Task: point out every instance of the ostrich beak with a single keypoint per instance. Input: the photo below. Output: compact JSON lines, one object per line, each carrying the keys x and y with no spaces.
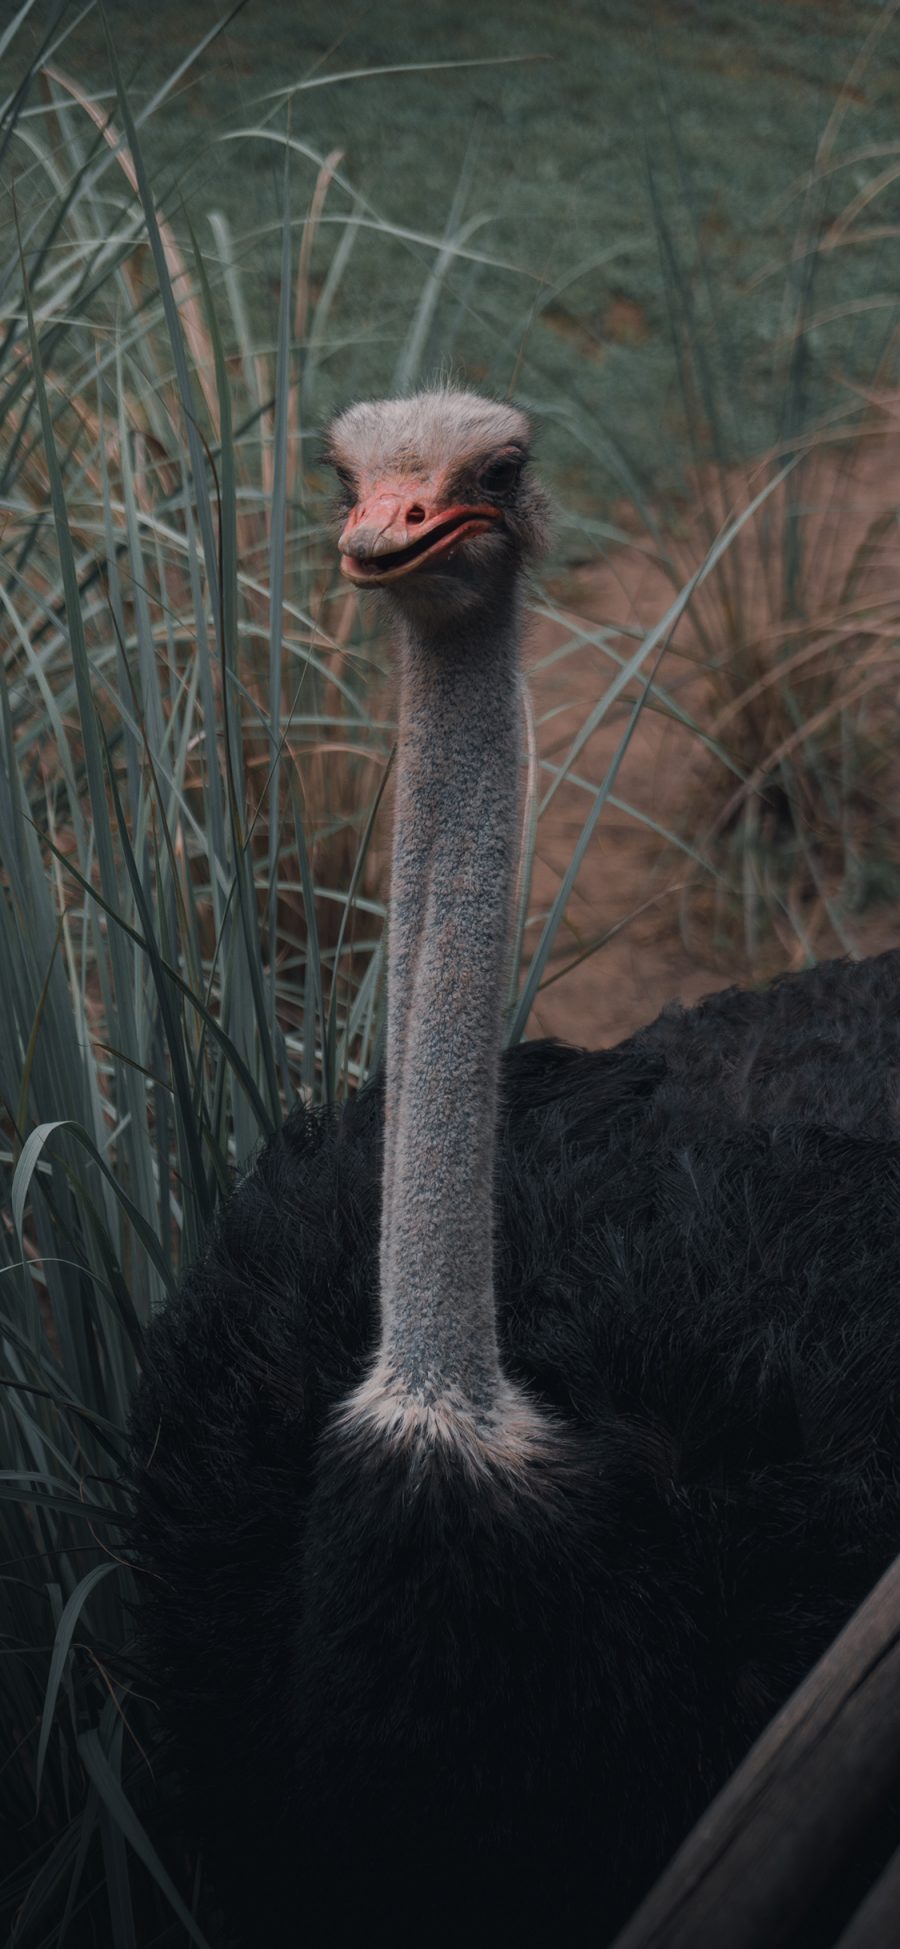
{"x":399,"y":526}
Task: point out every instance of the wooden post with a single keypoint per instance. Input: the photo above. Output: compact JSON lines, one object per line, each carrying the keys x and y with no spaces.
{"x":790,"y":1817}
{"x":877,"y":1920}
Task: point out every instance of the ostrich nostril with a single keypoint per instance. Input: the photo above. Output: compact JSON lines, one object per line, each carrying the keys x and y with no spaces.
{"x":414,"y":515}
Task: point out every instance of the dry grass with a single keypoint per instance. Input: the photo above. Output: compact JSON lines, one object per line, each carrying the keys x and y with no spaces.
{"x":794,"y":796}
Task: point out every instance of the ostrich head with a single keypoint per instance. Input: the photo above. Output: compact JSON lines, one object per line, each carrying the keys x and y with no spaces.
{"x":439,"y":506}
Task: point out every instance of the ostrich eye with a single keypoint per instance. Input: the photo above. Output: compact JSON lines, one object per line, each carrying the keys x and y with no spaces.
{"x":502,"y":473}
{"x":347,"y":481}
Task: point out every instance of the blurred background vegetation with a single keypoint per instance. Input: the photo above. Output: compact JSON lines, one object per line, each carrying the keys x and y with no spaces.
{"x":670,"y":232}
{"x":558,"y":167}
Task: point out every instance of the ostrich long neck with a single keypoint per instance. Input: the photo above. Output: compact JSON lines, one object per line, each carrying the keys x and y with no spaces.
{"x":453,"y":861}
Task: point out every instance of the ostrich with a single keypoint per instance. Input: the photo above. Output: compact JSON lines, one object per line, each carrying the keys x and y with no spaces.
{"x":531,"y":1422}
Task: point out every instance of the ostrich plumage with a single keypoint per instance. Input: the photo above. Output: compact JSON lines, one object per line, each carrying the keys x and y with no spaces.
{"x":531,"y":1423}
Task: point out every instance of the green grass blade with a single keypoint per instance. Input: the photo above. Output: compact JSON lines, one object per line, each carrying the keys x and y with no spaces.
{"x":61,"y":1648}
{"x":127,"y":1824}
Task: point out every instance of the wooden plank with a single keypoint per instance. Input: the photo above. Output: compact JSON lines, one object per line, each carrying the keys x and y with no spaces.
{"x":777,"y":1835}
{"x":876,"y":1924}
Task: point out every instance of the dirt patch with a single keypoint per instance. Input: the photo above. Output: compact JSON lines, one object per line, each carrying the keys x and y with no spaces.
{"x":626,"y":321}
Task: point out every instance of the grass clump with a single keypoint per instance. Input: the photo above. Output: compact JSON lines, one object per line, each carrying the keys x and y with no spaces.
{"x":801,"y":674}
{"x":796,"y":634}
{"x":187,"y":766}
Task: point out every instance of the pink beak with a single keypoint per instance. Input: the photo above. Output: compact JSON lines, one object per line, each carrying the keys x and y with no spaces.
{"x":399,"y":525}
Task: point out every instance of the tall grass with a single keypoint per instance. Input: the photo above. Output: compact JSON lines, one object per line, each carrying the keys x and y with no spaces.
{"x":195,"y":747}
{"x":190,"y":942}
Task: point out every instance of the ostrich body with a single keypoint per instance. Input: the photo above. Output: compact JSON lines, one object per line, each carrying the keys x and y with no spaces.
{"x":531,"y":1423}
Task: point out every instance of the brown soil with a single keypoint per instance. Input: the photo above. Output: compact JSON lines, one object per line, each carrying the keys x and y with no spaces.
{"x":630,"y":879}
